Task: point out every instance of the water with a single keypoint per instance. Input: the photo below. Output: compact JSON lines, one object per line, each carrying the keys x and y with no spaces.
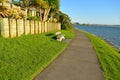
{"x":111,"y":34}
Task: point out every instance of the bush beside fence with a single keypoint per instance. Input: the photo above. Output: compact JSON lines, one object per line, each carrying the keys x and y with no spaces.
{"x":16,"y":27}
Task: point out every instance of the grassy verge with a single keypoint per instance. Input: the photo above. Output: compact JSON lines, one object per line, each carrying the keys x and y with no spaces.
{"x":109,"y":57}
{"x":23,"y":57}
{"x":69,"y":33}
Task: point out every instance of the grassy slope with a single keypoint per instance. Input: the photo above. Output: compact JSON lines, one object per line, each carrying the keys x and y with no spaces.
{"x":108,"y":56}
{"x":23,"y":57}
{"x":69,"y":33}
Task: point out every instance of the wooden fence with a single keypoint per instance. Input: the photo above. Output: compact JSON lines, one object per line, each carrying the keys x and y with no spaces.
{"x":14,"y":28}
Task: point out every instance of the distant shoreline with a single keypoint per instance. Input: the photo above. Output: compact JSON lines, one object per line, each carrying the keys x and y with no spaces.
{"x":77,"y":24}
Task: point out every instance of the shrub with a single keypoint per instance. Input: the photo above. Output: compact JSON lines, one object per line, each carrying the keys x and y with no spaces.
{"x":65,"y":21}
{"x":33,"y":18}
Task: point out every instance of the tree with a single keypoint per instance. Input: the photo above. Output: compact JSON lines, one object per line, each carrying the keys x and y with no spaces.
{"x":40,"y":5}
{"x":65,"y":21}
{"x":52,"y":8}
{"x":25,"y":4}
{"x":2,"y":1}
{"x":17,"y":3}
{"x":45,"y":6}
{"x":3,"y":10}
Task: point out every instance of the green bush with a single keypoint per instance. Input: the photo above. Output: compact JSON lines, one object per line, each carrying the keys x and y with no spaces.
{"x":33,"y":18}
{"x":65,"y":21}
{"x":66,"y":25}
{"x":29,"y":17}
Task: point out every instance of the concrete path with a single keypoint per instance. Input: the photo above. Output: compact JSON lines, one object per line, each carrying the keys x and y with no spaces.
{"x":77,"y":62}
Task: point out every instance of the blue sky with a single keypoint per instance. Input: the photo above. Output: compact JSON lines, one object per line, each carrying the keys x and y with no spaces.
{"x":92,"y":11}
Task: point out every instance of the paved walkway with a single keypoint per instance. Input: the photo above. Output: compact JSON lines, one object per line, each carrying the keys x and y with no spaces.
{"x":77,"y":62}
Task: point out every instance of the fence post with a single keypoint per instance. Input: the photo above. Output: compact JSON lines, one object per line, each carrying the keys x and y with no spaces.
{"x":4,"y":27}
{"x":37,"y":28}
{"x":59,"y":26}
{"x":34,"y":26}
{"x":54,"y":24}
{"x":17,"y":25}
{"x":24,"y":25}
{"x":27,"y":27}
{"x":48,"y":27}
{"x":21,"y":27}
{"x":10,"y":27}
{"x":40,"y":27}
{"x":13,"y":28}
{"x":30,"y":26}
{"x":1,"y":27}
{"x":45,"y":26}
{"x":31,"y":23}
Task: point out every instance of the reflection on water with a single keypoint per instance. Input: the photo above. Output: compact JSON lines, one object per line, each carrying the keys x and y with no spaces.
{"x":109,"y":33}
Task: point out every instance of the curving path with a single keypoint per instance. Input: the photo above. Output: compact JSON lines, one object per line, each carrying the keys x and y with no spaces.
{"x":77,"y":62}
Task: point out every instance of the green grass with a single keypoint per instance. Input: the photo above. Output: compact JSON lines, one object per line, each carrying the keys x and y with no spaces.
{"x":69,"y":33}
{"x":22,"y":58}
{"x":108,"y":56}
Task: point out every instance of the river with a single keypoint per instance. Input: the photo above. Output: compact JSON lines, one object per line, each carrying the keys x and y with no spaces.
{"x":109,"y":33}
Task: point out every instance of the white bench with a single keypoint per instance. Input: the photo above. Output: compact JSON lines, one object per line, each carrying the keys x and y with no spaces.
{"x":57,"y":33}
{"x":60,"y":36}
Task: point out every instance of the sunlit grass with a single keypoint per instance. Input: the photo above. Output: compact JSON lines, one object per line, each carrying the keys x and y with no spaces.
{"x":69,"y":33}
{"x":108,"y":56}
{"x":22,"y":58}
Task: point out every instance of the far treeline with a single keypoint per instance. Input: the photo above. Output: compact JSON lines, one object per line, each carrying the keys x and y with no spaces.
{"x":46,"y":11}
